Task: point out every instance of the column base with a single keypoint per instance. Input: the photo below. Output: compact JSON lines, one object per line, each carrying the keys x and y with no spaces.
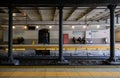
{"x":111,"y":62}
{"x":10,"y":62}
{"x":63,"y":62}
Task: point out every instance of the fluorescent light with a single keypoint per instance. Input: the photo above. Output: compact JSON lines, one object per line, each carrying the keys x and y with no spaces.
{"x":25,"y":27}
{"x":84,"y":27}
{"x":50,"y":27}
{"x":73,"y":27}
{"x":14,"y":14}
{"x":37,"y":27}
{"x":13,"y":27}
{"x":98,"y":26}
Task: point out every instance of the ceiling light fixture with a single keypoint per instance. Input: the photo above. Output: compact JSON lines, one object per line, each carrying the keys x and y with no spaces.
{"x":37,"y":27}
{"x":98,"y":26}
{"x":14,"y":14}
{"x":50,"y":27}
{"x":73,"y":27}
{"x":13,"y":27}
{"x":25,"y":27}
{"x":84,"y":27}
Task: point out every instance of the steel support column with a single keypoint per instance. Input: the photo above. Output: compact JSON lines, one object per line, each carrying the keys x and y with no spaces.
{"x":112,"y":58}
{"x":10,"y":35}
{"x":112,"y":32}
{"x":61,"y":57}
{"x":11,"y":60}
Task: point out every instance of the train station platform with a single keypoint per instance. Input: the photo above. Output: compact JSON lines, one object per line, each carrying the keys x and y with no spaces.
{"x":59,"y":71}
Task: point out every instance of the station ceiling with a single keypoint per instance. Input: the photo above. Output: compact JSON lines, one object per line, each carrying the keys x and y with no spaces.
{"x":45,"y":12}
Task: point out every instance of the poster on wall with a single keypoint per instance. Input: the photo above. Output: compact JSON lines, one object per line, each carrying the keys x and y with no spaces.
{"x":78,"y":33}
{"x":96,"y":34}
{"x":88,"y":34}
{"x":99,"y":33}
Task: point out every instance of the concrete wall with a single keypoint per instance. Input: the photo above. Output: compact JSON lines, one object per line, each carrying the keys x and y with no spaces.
{"x":30,"y":35}
{"x":54,"y":35}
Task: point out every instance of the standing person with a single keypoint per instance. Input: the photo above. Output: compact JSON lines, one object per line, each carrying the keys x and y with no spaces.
{"x":46,"y":38}
{"x":22,"y":40}
{"x":105,"y":40}
{"x":74,"y":40}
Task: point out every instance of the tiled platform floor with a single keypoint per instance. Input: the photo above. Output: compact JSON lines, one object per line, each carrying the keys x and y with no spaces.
{"x":59,"y":71}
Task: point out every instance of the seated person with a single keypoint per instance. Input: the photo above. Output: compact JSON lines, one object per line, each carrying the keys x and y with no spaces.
{"x":20,"y":40}
{"x":83,"y":40}
{"x":79,"y":39}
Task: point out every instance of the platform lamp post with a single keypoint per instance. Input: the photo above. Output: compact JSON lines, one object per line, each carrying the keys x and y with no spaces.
{"x":112,"y":58}
{"x":11,"y":60}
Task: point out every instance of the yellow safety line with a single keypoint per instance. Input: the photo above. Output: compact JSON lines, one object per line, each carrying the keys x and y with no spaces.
{"x":100,"y":74}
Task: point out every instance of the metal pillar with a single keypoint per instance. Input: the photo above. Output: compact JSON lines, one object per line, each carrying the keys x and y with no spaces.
{"x":112,"y":58}
{"x":61,"y":33}
{"x":61,"y":57}
{"x":112,"y":32}
{"x":10,"y":36}
{"x":10,"y":30}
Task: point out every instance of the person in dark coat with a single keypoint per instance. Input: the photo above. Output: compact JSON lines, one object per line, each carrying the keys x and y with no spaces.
{"x":79,"y":39}
{"x":74,"y":40}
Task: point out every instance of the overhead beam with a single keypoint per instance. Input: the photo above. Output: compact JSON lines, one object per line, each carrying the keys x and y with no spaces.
{"x":57,"y":2}
{"x":72,"y":11}
{"x":32,"y":22}
{"x":47,"y":14}
{"x":106,"y":16}
{"x":103,"y":17}
{"x":55,"y":14}
{"x":31,"y":14}
{"x":24,"y":13}
{"x":86,"y":12}
{"x":40,"y":13}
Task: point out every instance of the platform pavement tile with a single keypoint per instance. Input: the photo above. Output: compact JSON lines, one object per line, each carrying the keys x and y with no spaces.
{"x":74,"y":77}
{"x":50,"y":73}
{"x":40,"y":70}
{"x":84,"y":74}
{"x":94,"y":74}
{"x":60,"y":70}
{"x":28,"y":74}
{"x":107,"y":74}
{"x":38,"y":77}
{"x":50,"y":69}
{"x":50,"y":77}
{"x":6,"y":73}
{"x":116,"y":73}
{"x":72,"y":73}
{"x":64,"y":77}
{"x":61,"y":74}
{"x":4,"y":77}
{"x":20,"y":77}
{"x":69,"y":70}
{"x":109,"y":77}
{"x":25,"y":70}
{"x":83,"y":77}
{"x":6,"y":69}
{"x":86,"y":70}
